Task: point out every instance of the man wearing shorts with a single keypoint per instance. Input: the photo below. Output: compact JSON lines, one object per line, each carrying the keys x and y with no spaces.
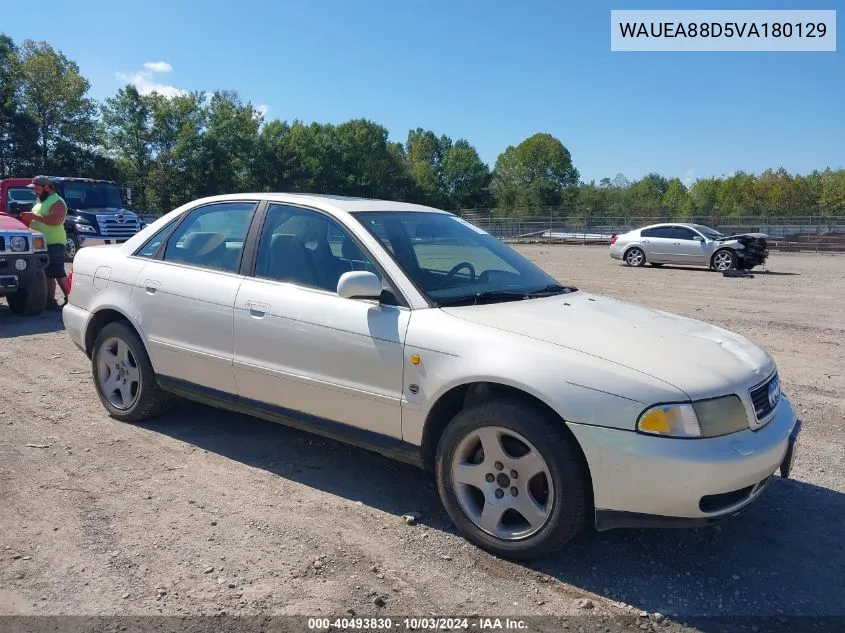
{"x":48,"y":217}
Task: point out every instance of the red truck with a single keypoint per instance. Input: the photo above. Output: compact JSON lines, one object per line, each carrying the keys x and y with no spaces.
{"x":23,"y":258}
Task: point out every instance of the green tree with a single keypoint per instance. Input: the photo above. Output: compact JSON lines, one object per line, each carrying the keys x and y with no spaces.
{"x":466,"y":178}
{"x":54,"y":96}
{"x":128,"y":123}
{"x":18,"y":134}
{"x":832,"y":200}
{"x":425,"y":155}
{"x":677,"y":200}
{"x":535,"y":174}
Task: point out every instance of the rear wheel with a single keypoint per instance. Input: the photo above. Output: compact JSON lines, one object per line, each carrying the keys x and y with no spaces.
{"x":635,"y":256}
{"x":123,"y":376}
{"x":724,"y":260}
{"x":30,"y":300}
{"x":511,"y":480}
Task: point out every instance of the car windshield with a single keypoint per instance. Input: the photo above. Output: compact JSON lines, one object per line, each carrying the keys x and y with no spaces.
{"x":90,"y":195}
{"x":708,"y":232}
{"x":22,"y":195}
{"x":453,"y":262}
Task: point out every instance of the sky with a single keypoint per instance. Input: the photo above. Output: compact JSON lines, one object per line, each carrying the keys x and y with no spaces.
{"x":490,"y":71}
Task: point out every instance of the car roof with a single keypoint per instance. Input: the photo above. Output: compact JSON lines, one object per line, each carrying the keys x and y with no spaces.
{"x":690,"y":225}
{"x":349,"y":204}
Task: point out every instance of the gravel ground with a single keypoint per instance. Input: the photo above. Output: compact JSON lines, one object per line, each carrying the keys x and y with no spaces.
{"x":204,"y":512}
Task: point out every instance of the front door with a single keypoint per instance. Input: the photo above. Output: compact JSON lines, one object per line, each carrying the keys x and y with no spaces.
{"x":301,"y":347}
{"x":685,"y":248}
{"x":184,"y":297}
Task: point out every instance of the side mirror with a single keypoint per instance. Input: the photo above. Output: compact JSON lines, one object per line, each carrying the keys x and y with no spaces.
{"x":359,"y":284}
{"x":698,"y":238}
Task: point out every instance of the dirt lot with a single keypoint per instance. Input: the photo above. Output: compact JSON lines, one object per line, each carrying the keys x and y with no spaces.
{"x":205,"y":513}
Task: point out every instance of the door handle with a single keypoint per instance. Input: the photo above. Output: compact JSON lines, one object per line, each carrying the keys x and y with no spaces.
{"x":151,"y":285}
{"x":257,"y":309}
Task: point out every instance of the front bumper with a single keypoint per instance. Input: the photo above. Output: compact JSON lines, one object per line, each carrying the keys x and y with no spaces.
{"x":645,"y":481}
{"x":12,"y":278}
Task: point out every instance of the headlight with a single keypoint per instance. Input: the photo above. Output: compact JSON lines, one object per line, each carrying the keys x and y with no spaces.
{"x":18,"y":243}
{"x":84,"y":228}
{"x":721,"y":416}
{"x":671,"y":420}
{"x":703,"y":418}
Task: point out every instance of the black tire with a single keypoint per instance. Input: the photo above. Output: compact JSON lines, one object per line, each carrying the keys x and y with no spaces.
{"x":635,"y":256}
{"x":31,"y":300}
{"x":723,"y":259}
{"x":71,"y":247}
{"x":149,"y":399}
{"x":570,"y":499}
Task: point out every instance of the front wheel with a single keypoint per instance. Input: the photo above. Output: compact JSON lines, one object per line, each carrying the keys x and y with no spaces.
{"x":511,"y":480}
{"x":31,"y":300}
{"x":724,"y":260}
{"x":123,"y":376}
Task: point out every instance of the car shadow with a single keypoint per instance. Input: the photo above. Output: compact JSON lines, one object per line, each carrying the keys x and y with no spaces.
{"x":702,"y":269}
{"x":782,"y":557}
{"x":12,"y":326}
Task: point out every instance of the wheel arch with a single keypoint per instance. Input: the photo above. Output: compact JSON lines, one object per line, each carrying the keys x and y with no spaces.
{"x":100,"y":319}
{"x":459,"y":397}
{"x":737,"y":256}
{"x":630,"y":247}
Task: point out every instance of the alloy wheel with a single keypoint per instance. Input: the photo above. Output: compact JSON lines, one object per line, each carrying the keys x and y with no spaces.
{"x":723,"y":261}
{"x":502,"y":483}
{"x":635,"y":257}
{"x":118,"y":374}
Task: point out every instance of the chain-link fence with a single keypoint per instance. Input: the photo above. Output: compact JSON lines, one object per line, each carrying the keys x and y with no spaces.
{"x":797,"y":233}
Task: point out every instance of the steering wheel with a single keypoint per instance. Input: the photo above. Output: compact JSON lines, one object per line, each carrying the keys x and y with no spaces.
{"x":456,"y":268}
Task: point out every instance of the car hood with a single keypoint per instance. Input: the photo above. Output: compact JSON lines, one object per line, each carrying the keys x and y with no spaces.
{"x":700,"y":359}
{"x":8,"y":223}
{"x":755,"y":236}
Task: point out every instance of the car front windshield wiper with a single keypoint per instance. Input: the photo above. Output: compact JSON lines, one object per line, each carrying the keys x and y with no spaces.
{"x":489,"y":296}
{"x":551,"y":289}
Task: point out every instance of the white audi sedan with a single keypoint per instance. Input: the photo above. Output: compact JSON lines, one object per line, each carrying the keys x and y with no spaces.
{"x":403,"y":329}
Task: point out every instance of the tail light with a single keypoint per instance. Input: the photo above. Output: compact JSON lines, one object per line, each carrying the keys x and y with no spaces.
{"x":69,"y":281}
{"x":613,"y":238}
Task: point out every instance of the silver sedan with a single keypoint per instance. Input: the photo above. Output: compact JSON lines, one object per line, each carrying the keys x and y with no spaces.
{"x":689,"y":245}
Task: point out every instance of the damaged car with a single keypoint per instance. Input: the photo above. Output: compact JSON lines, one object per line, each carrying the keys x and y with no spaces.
{"x":686,"y":244}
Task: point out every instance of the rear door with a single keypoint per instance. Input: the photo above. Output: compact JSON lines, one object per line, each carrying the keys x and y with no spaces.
{"x":184,"y":297}
{"x":657,"y":244}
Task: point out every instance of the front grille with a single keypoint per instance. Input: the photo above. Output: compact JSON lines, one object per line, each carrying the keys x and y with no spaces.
{"x":766,"y":397}
{"x":110,"y":227}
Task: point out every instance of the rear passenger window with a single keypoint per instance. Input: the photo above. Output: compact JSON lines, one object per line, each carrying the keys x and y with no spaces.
{"x":659,"y":231}
{"x":212,"y":237}
{"x":151,"y":247}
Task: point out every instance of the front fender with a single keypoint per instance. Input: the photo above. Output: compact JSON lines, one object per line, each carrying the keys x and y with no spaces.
{"x":578,"y":387}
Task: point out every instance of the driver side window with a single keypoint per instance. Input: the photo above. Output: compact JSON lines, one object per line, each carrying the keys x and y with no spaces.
{"x":307,"y":248}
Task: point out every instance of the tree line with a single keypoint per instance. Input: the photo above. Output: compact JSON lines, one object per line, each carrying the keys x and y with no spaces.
{"x":170,"y":150}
